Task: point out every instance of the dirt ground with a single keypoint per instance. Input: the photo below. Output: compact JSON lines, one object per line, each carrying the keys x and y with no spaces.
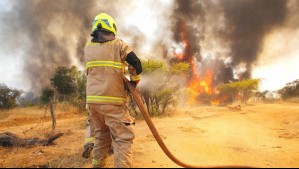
{"x":260,"y":135}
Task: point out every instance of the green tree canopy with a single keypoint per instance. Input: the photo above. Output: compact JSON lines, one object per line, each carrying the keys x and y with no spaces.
{"x":47,"y":95}
{"x":290,"y":90}
{"x":69,"y":85}
{"x":242,"y":90}
{"x":149,"y":66}
{"x":8,"y":97}
{"x":64,"y":81}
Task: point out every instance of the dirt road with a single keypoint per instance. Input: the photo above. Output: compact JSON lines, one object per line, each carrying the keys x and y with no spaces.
{"x":264,"y":135}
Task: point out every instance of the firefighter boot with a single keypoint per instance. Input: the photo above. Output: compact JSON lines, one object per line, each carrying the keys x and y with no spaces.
{"x":87,"y":150}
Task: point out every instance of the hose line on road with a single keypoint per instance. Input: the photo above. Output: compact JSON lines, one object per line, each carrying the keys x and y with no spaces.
{"x":143,"y":110}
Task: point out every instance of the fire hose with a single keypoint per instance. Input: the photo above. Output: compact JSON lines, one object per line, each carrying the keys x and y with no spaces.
{"x":143,"y":110}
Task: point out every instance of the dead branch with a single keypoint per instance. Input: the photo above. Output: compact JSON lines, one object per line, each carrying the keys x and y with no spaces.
{"x":11,"y":140}
{"x":51,"y":139}
{"x":234,"y":108}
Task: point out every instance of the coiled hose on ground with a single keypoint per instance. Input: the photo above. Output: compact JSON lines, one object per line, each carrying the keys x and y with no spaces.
{"x":143,"y":110}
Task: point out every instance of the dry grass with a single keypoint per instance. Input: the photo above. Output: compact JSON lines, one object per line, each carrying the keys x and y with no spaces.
{"x":36,"y":122}
{"x":207,"y":135}
{"x":35,"y":111}
{"x":35,"y":114}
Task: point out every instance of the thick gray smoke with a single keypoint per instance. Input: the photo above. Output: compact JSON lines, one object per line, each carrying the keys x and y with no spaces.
{"x":241,"y":26}
{"x":248,"y":22}
{"x":186,"y":25}
{"x":51,"y":33}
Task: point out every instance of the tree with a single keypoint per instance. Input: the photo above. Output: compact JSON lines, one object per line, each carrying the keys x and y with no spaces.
{"x":247,"y":88}
{"x":64,"y":81}
{"x":166,"y":98}
{"x":8,"y":97}
{"x":78,"y":98}
{"x":228,"y":89}
{"x":47,"y":95}
{"x":80,"y":80}
{"x":70,"y":83}
{"x":291,"y":90}
{"x":261,"y":95}
{"x":241,"y":90}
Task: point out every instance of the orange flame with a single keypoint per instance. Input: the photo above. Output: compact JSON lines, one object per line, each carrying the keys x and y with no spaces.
{"x":215,"y":102}
{"x":197,"y":84}
{"x":218,"y":100}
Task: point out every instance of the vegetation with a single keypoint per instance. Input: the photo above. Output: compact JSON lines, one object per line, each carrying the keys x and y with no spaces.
{"x":69,"y":85}
{"x":291,"y":90}
{"x":63,"y":81}
{"x":261,"y":95}
{"x":8,"y":97}
{"x":159,"y":94}
{"x":47,"y":95}
{"x":161,"y":90}
{"x":241,"y":90}
{"x":28,"y":99}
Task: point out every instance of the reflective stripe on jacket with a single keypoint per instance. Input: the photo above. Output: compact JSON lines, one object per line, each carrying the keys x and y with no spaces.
{"x":104,"y":64}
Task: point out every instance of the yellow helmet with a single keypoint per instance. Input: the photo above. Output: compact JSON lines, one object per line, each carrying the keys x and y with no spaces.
{"x":104,"y":22}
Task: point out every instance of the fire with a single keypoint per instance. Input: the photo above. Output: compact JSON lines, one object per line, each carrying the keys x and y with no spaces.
{"x":215,"y":102}
{"x":198,"y":85}
{"x":218,"y":100}
{"x":198,"y":82}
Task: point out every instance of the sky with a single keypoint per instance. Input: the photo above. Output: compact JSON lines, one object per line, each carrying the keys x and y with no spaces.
{"x":141,"y":22}
{"x":10,"y":61}
{"x":279,"y":62}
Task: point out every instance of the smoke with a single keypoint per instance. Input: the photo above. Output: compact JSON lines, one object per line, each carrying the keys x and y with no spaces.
{"x":135,"y":37}
{"x":228,"y":34}
{"x":225,"y":36}
{"x":50,"y":33}
{"x":248,"y":22}
{"x":186,"y":25}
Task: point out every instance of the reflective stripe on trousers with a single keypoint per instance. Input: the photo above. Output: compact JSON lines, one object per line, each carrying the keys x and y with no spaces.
{"x":89,"y":140}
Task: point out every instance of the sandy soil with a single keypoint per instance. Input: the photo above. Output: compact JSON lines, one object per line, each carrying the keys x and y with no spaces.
{"x":261,"y":135}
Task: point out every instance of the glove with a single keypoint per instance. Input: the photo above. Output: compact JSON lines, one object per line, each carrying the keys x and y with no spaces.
{"x":137,"y":82}
{"x":134,"y":83}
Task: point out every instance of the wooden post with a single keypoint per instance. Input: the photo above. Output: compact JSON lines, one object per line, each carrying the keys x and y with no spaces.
{"x":52,"y":111}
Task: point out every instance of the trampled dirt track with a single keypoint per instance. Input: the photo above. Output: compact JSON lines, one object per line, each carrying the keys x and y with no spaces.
{"x":261,"y":135}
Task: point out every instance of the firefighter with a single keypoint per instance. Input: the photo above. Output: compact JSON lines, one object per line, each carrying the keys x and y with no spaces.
{"x":106,"y":57}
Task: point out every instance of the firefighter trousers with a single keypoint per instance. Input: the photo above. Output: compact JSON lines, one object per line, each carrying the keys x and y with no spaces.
{"x":112,"y":125}
{"x":89,"y":131}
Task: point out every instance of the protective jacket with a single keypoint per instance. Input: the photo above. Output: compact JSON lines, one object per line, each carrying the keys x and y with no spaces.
{"x":105,"y":64}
